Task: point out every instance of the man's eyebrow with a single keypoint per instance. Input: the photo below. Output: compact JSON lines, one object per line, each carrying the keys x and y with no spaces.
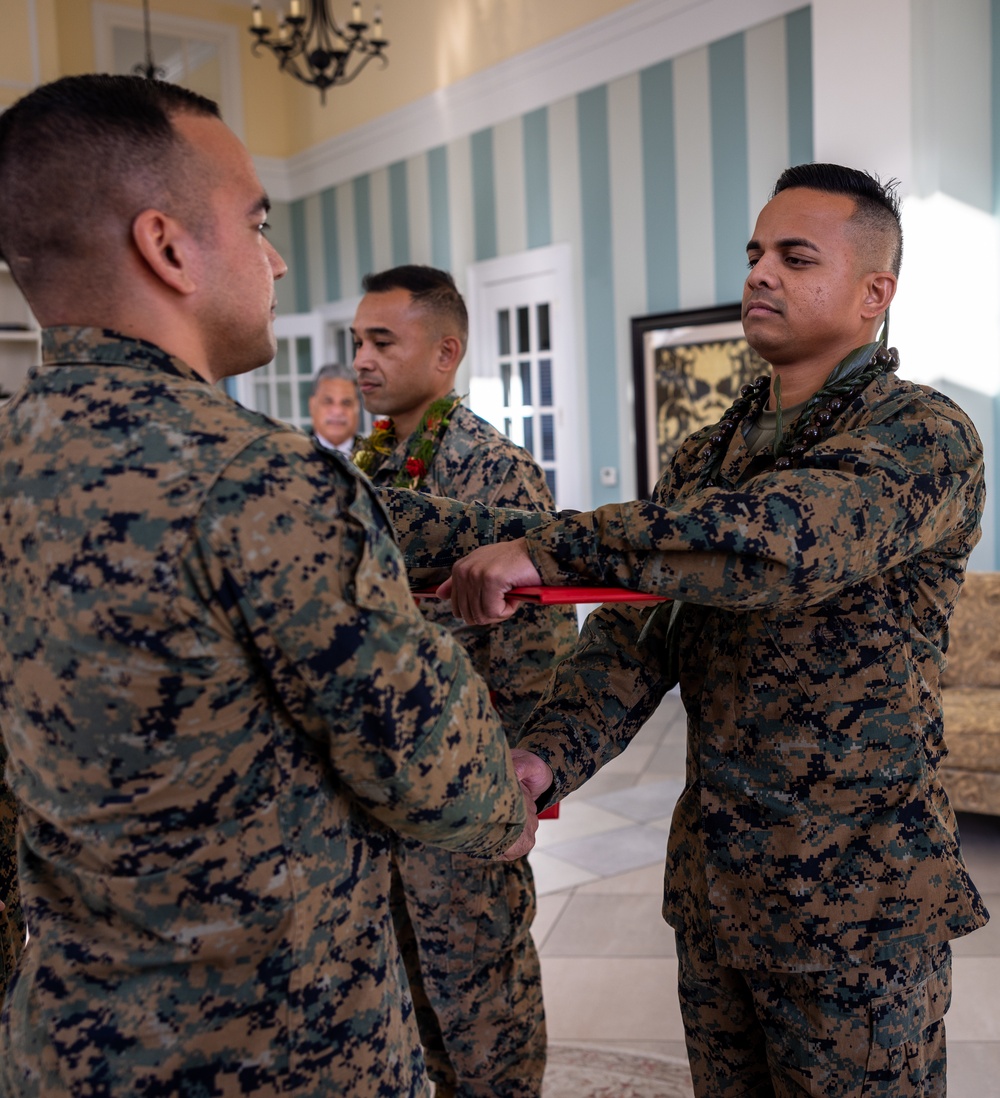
{"x":788,"y":242}
{"x":262,"y":205}
{"x":371,"y":331}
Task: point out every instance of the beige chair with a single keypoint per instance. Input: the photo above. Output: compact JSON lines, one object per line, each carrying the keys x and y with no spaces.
{"x":971,"y":697}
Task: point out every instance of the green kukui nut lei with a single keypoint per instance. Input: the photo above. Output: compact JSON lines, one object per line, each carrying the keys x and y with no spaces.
{"x":852,"y":374}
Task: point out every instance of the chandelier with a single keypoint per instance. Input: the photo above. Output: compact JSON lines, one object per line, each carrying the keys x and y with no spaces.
{"x":148,"y":68}
{"x":314,"y":48}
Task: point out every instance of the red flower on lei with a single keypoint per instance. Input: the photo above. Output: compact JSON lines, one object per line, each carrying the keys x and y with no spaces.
{"x":421,"y":448}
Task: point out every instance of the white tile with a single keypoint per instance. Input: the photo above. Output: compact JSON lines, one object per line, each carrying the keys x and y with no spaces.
{"x":614,"y":998}
{"x":647,"y":881}
{"x":643,"y":801}
{"x":548,"y":911}
{"x":614,"y":852}
{"x":553,"y":875}
{"x":577,"y":820}
{"x":611,"y":926}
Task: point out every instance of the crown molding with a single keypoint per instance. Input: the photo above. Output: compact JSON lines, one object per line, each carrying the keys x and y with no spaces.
{"x":616,"y":45}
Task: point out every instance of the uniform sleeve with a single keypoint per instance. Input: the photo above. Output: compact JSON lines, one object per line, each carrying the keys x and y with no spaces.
{"x":12,"y":929}
{"x":297,"y":555}
{"x":434,"y":532}
{"x":516,"y":656}
{"x":864,"y":501}
{"x":598,"y":699}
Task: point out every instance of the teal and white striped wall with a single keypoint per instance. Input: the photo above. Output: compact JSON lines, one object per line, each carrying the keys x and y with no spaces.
{"x":654,"y":179}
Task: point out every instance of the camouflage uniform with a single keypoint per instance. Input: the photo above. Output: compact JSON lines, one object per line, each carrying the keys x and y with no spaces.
{"x":813,"y":834}
{"x":217,"y":697}
{"x":464,"y":925}
{"x":11,"y":918}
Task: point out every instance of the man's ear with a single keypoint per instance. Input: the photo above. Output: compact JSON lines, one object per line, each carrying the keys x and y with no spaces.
{"x":166,"y":247}
{"x":880,"y":289}
{"x":449,"y":353}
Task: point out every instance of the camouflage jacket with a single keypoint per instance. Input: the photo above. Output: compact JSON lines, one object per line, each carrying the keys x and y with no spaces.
{"x":217,"y":697}
{"x":475,"y":462}
{"x":12,"y":928}
{"x":813,"y":830}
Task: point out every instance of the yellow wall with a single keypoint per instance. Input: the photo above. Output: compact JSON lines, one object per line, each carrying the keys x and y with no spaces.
{"x":433,"y":43}
{"x":17,"y":62}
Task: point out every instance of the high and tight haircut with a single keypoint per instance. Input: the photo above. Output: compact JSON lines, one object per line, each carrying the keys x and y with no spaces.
{"x":333,"y":371}
{"x":80,"y":158}
{"x":876,"y":206}
{"x":432,"y":289}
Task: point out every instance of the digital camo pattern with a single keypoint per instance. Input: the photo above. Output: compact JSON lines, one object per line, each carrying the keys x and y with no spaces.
{"x":464,"y":925}
{"x":872,"y":1030}
{"x":434,"y":532}
{"x":217,"y":697}
{"x":11,"y":918}
{"x":813,"y":822}
{"x":811,"y":643}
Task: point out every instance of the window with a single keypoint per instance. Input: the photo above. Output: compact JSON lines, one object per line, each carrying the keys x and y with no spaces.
{"x":281,"y":388}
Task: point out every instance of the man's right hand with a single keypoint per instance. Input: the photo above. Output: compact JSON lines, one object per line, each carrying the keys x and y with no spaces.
{"x":479,"y":582}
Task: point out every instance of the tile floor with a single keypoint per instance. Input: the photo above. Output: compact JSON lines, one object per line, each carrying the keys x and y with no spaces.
{"x":608,"y":960}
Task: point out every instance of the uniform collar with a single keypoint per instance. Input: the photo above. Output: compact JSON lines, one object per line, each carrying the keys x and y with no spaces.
{"x":71,"y":345}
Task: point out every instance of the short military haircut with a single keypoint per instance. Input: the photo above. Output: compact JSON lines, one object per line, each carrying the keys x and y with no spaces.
{"x":432,"y":289}
{"x":333,"y":372}
{"x":79,"y":159}
{"x":876,"y":215}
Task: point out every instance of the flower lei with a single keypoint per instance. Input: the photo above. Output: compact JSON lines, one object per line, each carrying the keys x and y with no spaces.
{"x":421,"y":448}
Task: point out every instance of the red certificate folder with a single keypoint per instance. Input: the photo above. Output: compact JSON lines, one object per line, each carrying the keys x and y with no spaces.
{"x":556,"y":596}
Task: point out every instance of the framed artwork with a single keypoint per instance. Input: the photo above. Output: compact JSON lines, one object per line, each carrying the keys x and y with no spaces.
{"x":688,"y":368}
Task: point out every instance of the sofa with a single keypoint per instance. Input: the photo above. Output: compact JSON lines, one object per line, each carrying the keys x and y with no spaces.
{"x":970,"y":692}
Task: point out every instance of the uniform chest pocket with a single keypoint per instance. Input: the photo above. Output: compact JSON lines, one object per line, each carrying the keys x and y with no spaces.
{"x":840,"y":655}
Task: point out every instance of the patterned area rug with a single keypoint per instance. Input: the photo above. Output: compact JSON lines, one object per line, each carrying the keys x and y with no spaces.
{"x":586,"y":1071}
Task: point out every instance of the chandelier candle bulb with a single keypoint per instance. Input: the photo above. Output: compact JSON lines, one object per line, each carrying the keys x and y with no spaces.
{"x":315,"y":49}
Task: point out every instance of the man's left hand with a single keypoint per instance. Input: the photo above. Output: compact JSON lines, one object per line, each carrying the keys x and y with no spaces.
{"x":535,"y":777}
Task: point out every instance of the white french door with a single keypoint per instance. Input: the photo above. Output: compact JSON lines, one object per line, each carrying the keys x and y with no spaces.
{"x":521,"y":361}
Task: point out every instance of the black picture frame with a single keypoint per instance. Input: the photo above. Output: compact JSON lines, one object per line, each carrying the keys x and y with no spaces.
{"x":687,"y":368}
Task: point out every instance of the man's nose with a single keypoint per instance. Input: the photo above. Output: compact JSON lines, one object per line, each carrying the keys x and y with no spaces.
{"x":761,"y":273}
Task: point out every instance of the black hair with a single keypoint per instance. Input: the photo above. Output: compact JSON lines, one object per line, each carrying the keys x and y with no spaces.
{"x":876,"y":205}
{"x":434,"y":290}
{"x":79,"y":158}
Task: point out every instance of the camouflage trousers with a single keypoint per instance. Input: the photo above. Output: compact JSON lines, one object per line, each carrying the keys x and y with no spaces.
{"x":869,"y":1031}
{"x":464,"y":930}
